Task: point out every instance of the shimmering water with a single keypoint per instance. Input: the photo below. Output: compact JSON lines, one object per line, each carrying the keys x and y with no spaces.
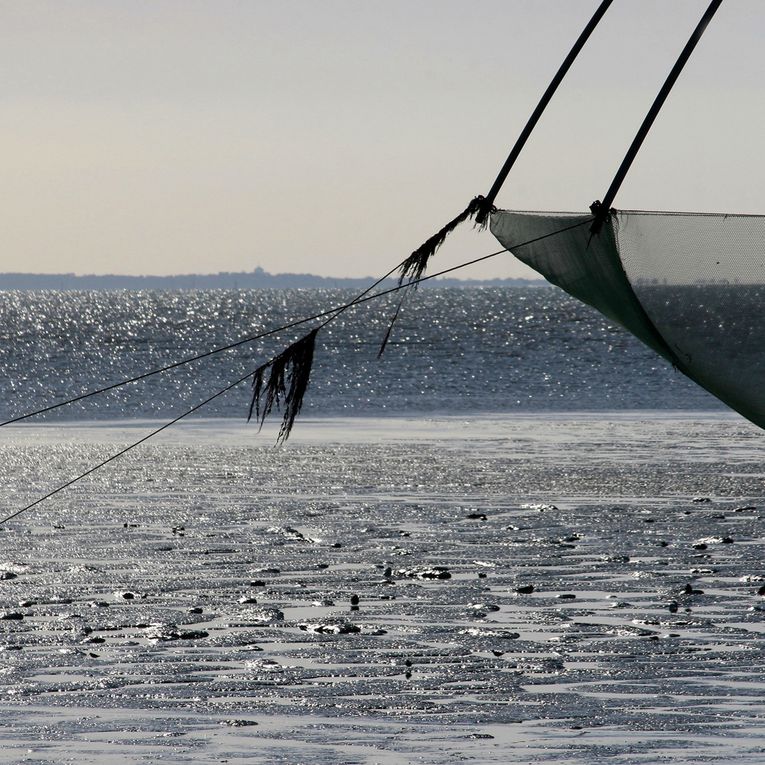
{"x":453,"y":351}
{"x":363,"y":594}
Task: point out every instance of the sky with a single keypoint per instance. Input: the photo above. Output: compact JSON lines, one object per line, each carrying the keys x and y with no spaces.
{"x":334,"y":136}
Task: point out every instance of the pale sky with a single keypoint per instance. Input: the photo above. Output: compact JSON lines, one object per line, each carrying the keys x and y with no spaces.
{"x":334,"y":136}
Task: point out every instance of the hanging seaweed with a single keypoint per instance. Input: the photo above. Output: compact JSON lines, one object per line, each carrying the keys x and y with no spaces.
{"x":414,"y":267}
{"x":285,"y":384}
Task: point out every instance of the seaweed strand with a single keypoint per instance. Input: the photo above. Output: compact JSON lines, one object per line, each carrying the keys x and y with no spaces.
{"x":282,"y":383}
{"x":413,"y":268}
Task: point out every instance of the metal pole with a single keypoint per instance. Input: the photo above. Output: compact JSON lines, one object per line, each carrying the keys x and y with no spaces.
{"x":488,"y":202}
{"x":601,"y":209}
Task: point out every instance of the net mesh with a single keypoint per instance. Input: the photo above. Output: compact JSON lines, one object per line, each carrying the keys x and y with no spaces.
{"x":689,"y":285}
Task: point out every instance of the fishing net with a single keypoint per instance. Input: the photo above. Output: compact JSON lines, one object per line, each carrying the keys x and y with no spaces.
{"x":691,"y":286}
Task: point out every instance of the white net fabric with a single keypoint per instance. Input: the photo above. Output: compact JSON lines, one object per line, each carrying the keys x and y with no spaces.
{"x":691,"y":286}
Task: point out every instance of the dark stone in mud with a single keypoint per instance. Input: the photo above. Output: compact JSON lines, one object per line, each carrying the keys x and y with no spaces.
{"x":727,"y":540}
{"x":6,"y":575}
{"x":432,"y":572}
{"x":483,"y":606}
{"x":761,"y":591}
{"x":701,"y":500}
{"x":566,"y":596}
{"x":689,"y":589}
{"x":127,"y":595}
{"x":479,"y":735}
{"x":170,"y":632}
{"x":265,"y":615}
{"x":237,"y":723}
{"x":673,"y":607}
{"x":257,"y":583}
{"x":700,"y":546}
{"x":247,"y":600}
{"x":476,"y":517}
{"x":10,"y":615}
{"x":354,"y":600}
{"x":745,"y":509}
{"x":93,"y":639}
{"x":27,"y":603}
{"x":195,"y":610}
{"x":342,"y":628}
{"x":525,"y":589}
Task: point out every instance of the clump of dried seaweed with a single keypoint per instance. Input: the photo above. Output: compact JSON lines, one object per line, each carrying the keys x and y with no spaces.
{"x":282,"y":382}
{"x":414,"y":267}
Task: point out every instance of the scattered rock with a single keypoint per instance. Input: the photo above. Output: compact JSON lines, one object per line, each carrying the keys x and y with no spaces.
{"x":265,"y":615}
{"x":288,"y":533}
{"x":341,"y":628}
{"x":525,"y":589}
{"x":166,"y":632}
{"x":426,"y":572}
{"x":483,"y":606}
{"x":6,"y":575}
{"x":10,"y":615}
{"x":483,"y":632}
{"x":237,"y":723}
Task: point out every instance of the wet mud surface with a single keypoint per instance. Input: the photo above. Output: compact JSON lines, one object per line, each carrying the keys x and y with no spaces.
{"x":569,"y":590}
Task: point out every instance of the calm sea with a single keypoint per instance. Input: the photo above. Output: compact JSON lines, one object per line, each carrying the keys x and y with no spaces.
{"x":455,"y":351}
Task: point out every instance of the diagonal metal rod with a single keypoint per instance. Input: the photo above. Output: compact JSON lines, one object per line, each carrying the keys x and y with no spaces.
{"x":601,"y":208}
{"x":488,"y":202}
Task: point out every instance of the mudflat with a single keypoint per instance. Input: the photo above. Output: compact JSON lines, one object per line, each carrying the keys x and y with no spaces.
{"x":549,"y":588}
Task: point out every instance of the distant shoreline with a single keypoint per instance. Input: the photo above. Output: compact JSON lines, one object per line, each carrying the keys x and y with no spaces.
{"x":257,"y":279}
